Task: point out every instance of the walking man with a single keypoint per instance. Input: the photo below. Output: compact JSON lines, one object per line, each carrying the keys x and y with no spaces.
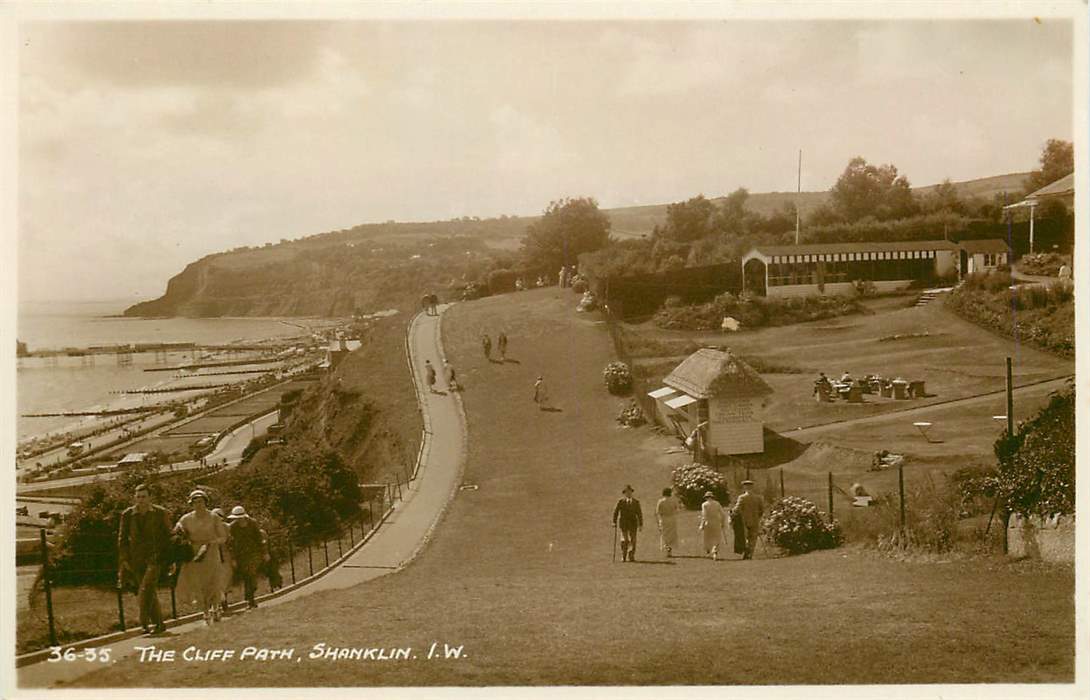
{"x":425,"y":303}
{"x":452,"y":381}
{"x":486,"y":344}
{"x":712,"y":521}
{"x":628,"y":517}
{"x":541,"y":394}
{"x":501,"y":343}
{"x":142,"y":540}
{"x":429,"y":375}
{"x":750,"y":507}
{"x":248,"y":547}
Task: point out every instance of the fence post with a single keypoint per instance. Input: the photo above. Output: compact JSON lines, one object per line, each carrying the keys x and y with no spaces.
{"x":46,"y":575}
{"x":340,"y":552}
{"x":120,"y":606}
{"x":830,"y":496}
{"x":310,"y":559}
{"x":370,"y":515}
{"x":173,"y":603}
{"x":325,"y":548}
{"x":901,"y":489}
{"x":781,"y":483}
{"x":351,"y":534}
{"x":291,"y":558}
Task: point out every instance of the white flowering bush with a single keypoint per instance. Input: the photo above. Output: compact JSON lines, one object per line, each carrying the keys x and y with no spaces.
{"x":618,"y":378}
{"x":795,"y":525}
{"x":691,"y":481}
{"x":631,"y":416}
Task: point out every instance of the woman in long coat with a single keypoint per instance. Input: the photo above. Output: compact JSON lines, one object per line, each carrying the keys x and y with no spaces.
{"x":666,"y":514}
{"x":712,"y":521}
{"x":201,"y":579}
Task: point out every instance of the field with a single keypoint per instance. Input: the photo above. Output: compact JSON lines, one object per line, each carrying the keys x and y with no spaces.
{"x":519,"y":572}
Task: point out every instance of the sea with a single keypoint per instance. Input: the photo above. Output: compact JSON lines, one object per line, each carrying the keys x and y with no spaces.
{"x":74,"y":383}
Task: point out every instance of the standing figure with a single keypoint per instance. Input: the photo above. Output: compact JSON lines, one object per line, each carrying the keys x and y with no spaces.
{"x":452,"y":380}
{"x":695,"y":442}
{"x":541,"y":394}
{"x":429,"y":376}
{"x":433,"y":302}
{"x":142,"y":541}
{"x":750,"y":507}
{"x":666,"y":514}
{"x":199,"y":581}
{"x":712,"y":521}
{"x":227,"y":573}
{"x":501,"y":344}
{"x":486,"y":345}
{"x":248,"y":547}
{"x":425,"y":303}
{"x":628,"y":517}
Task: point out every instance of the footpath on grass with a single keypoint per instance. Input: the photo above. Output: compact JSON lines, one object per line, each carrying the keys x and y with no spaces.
{"x":403,"y":533}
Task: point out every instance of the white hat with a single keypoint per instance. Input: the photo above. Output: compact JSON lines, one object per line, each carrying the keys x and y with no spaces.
{"x":237,"y":512}
{"x":197,"y":493}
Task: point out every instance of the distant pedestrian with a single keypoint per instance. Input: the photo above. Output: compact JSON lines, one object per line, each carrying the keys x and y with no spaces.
{"x":750,"y":507}
{"x":433,"y":302}
{"x":199,"y":581}
{"x":666,"y":514}
{"x":541,"y":394}
{"x":628,"y":517}
{"x":452,"y":380}
{"x":429,"y":375}
{"x":712,"y":521}
{"x":501,"y":344}
{"x":143,"y":539}
{"x":248,"y":547}
{"x":425,"y":304}
{"x":486,"y":345}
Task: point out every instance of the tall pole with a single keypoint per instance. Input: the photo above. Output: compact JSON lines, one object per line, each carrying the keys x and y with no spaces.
{"x":1010,"y":400}
{"x":1031,"y":208}
{"x":798,"y":193}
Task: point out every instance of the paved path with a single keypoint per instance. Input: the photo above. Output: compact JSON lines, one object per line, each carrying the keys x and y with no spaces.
{"x":393,"y":545}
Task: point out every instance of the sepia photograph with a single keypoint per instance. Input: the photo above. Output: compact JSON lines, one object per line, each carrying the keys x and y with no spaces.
{"x":618,"y":349}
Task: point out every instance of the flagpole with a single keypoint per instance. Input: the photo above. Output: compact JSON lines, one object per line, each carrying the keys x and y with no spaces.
{"x":798,"y":218}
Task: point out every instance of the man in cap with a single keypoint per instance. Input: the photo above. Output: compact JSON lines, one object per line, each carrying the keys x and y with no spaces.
{"x":248,"y":547}
{"x":628,"y":516}
{"x":142,"y":540}
{"x":749,"y":508}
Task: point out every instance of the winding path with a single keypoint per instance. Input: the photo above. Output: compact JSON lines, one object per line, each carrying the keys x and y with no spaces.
{"x":402,"y":535}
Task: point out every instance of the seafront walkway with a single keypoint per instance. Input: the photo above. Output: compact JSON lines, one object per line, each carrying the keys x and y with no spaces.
{"x":403,"y":533}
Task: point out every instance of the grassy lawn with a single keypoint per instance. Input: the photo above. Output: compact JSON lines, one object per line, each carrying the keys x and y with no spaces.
{"x":519,"y":571}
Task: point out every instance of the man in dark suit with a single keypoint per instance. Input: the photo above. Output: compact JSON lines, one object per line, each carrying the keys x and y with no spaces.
{"x":749,"y":509}
{"x":142,"y":540}
{"x":629,"y":518}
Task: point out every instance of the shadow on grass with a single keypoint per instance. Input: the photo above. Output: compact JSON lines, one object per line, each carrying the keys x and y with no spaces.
{"x":650,"y":561}
{"x":552,"y":409}
{"x":511,"y":360}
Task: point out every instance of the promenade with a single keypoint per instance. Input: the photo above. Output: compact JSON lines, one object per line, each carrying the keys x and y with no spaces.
{"x":393,"y":545}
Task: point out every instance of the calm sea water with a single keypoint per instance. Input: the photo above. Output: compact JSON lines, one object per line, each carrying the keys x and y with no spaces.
{"x":73,"y":384}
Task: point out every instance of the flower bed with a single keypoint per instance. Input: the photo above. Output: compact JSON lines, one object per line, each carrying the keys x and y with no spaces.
{"x":754,"y":312}
{"x":1042,"y":317}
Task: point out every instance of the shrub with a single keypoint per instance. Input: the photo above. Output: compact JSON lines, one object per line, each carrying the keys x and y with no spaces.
{"x":753,"y":311}
{"x":1037,"y":465}
{"x":618,"y":378}
{"x":1047,"y":264}
{"x":579,"y":285}
{"x":631,"y":415}
{"x":691,"y":481}
{"x":795,"y":525}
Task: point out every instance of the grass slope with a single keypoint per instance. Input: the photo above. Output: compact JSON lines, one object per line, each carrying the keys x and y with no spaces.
{"x":519,"y":571}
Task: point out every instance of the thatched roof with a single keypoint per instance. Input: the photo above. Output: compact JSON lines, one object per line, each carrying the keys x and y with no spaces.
{"x":707,"y":373}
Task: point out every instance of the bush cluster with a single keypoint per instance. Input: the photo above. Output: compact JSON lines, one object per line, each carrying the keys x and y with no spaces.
{"x":753,"y":311}
{"x":1042,"y":316}
{"x":692,"y":481}
{"x":795,"y":525}
{"x":631,"y":416}
{"x":1047,"y":264}
{"x":618,"y":378}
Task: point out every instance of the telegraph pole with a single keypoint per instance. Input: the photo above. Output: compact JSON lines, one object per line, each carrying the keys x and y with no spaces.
{"x":798,"y":193}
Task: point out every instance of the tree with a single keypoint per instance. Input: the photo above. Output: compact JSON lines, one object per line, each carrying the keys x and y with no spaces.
{"x":567,"y":228}
{"x":868,"y":190}
{"x":1057,"y":160}
{"x":733,"y":219}
{"x":944,"y":198}
{"x":688,"y":221}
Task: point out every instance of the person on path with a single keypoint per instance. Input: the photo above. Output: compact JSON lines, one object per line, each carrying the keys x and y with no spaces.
{"x":452,"y":380}
{"x":712,"y":521}
{"x":750,"y":507}
{"x":429,"y":376}
{"x":248,"y":548}
{"x":143,"y":539}
{"x":425,"y":303}
{"x":228,"y":570}
{"x":666,"y":514}
{"x":199,"y":580}
{"x":433,"y":302}
{"x":541,"y":394}
{"x":486,"y":344}
{"x":501,"y":344}
{"x":628,"y":517}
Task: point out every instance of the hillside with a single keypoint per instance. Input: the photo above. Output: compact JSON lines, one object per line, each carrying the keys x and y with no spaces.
{"x":373,"y":266}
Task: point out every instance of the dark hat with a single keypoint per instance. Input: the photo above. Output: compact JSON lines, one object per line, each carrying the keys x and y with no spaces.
{"x":747,"y":482}
{"x":627,"y":489}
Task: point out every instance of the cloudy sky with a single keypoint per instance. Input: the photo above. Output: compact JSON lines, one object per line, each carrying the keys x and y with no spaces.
{"x":143,"y":146}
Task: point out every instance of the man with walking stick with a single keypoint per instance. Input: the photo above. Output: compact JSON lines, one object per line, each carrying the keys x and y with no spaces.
{"x":628,"y":516}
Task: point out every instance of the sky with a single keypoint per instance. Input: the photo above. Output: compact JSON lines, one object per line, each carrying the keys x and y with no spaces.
{"x":143,"y":146}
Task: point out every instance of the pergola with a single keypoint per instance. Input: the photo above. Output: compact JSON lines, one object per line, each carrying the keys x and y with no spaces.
{"x":1064,"y":187}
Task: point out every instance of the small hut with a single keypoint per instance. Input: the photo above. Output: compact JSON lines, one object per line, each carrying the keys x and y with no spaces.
{"x":717,"y":387}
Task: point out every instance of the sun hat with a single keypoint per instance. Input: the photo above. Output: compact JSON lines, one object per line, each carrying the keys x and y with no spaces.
{"x":747,"y":482}
{"x":709,"y":494}
{"x":197,"y":493}
{"x":628,"y":489}
{"x":219,"y":512}
{"x":237,"y":512}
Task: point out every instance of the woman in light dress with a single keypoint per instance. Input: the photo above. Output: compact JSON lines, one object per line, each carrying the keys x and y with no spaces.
{"x":201,"y":580}
{"x":713,"y":519}
{"x":666,"y":514}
